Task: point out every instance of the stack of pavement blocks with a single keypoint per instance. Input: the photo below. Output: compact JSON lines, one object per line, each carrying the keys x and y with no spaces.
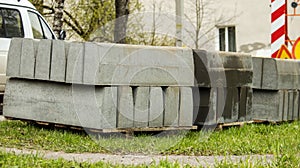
{"x":224,"y":82}
{"x":276,"y":86}
{"x":99,"y":86}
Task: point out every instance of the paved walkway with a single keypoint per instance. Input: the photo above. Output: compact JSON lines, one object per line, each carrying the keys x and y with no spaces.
{"x":138,"y":159}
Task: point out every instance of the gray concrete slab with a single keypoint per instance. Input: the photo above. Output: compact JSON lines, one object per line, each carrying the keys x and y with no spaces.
{"x":75,"y":105}
{"x":145,"y":66}
{"x":14,"y":58}
{"x":141,"y":106}
{"x":296,"y":106}
{"x":231,"y":109}
{"x":59,"y":61}
{"x":125,"y":107}
{"x":91,"y":63}
{"x":43,"y":58}
{"x":186,"y":107}
{"x":270,"y":74}
{"x":27,"y":64}
{"x":109,"y":109}
{"x":171,"y":106}
{"x":156,"y":113}
{"x":75,"y":63}
{"x":257,"y":72}
{"x":205,"y":102}
{"x":268,"y":105}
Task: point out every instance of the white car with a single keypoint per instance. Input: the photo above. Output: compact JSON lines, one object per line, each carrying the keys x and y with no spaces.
{"x":19,"y":18}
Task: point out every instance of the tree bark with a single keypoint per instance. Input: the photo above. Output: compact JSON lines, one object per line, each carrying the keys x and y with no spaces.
{"x":122,"y":12}
{"x":58,"y":16}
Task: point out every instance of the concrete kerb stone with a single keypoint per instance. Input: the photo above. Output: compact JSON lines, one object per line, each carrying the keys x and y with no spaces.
{"x":59,"y":61}
{"x":75,"y":61}
{"x":171,"y":106}
{"x":125,"y":107}
{"x":257,"y":72}
{"x":186,"y":107}
{"x":27,"y":64}
{"x":156,"y":110}
{"x":42,"y":59}
{"x":14,"y":58}
{"x":141,"y":106}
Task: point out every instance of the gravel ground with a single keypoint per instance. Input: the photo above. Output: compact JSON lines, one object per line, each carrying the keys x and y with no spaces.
{"x":206,"y":161}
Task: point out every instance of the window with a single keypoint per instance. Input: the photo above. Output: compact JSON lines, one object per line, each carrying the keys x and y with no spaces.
{"x":227,"y":39}
{"x":40,"y":29}
{"x":10,"y":23}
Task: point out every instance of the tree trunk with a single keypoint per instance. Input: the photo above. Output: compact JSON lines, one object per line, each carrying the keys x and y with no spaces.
{"x":38,"y":5}
{"x":58,"y":16}
{"x":122,"y":12}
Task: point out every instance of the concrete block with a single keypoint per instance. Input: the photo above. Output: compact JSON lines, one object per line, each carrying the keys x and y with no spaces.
{"x":43,"y":58}
{"x":280,"y":74}
{"x":171,"y":106}
{"x":285,"y":110}
{"x":14,"y":58}
{"x":287,"y":74}
{"x":238,"y":69}
{"x":125,"y":107}
{"x":204,"y":102}
{"x":270,"y":74}
{"x":27,"y":64}
{"x":290,"y":105}
{"x":88,"y":102}
{"x":231,"y":109}
{"x":141,"y":106}
{"x":257,"y":72}
{"x":245,"y":104}
{"x":26,"y":100}
{"x":296,"y":106}
{"x":75,"y":62}
{"x":91,"y":63}
{"x":156,"y":107}
{"x":268,"y":105}
{"x":209,"y":70}
{"x":145,"y":66}
{"x":109,"y":109}
{"x":59,"y":61}
{"x":75,"y":105}
{"x":186,"y":107}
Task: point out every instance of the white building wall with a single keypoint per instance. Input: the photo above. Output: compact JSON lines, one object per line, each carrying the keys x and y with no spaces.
{"x":252,"y":19}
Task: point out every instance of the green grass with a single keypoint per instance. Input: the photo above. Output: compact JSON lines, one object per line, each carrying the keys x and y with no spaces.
{"x":24,"y":161}
{"x":250,"y":139}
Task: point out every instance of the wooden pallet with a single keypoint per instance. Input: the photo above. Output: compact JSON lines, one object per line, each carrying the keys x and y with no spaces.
{"x":126,"y":131}
{"x":233,"y":124}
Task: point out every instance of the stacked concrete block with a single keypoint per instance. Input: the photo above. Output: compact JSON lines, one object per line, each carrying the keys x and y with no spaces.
{"x":101,"y":86}
{"x":141,"y":106}
{"x":225,"y":92}
{"x":276,"y":93}
{"x":172,"y":95}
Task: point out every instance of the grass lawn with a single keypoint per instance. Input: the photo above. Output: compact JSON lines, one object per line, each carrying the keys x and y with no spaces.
{"x":250,"y":139}
{"x":24,"y":161}
{"x":283,"y":141}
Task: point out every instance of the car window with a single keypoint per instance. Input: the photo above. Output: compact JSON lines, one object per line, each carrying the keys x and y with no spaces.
{"x":47,"y":31}
{"x":10,"y":23}
{"x":39,"y":27}
{"x":36,"y":26}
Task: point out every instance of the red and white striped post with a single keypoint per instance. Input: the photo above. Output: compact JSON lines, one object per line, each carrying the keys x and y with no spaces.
{"x":279,"y":25}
